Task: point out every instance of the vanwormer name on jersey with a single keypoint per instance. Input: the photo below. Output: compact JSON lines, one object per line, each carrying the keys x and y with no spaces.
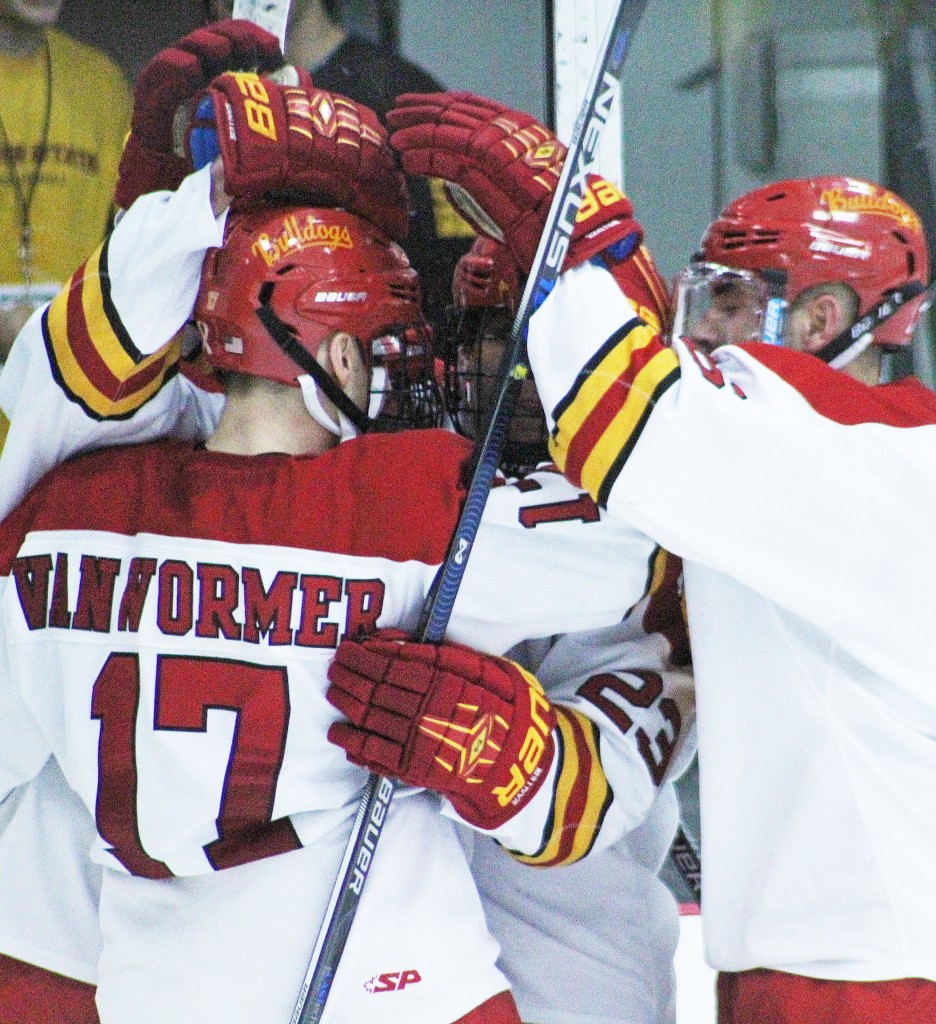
{"x":207,"y":599}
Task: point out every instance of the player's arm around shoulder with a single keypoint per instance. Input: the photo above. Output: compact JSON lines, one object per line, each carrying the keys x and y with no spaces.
{"x":90,"y":368}
{"x":479,"y":729}
{"x":625,"y":710}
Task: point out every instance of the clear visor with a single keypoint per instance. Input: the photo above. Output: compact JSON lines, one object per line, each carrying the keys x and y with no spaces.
{"x":718,"y":305}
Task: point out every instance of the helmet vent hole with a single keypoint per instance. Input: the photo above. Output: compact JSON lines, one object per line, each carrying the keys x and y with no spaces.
{"x":743,"y":239}
{"x":403,"y":291}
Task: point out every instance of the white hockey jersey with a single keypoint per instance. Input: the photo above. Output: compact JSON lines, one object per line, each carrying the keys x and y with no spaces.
{"x":102,"y":328}
{"x":801,"y":502}
{"x":83,"y":373}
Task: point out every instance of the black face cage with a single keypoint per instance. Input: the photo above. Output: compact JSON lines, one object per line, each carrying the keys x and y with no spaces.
{"x":473,"y":342}
{"x":405,"y":394}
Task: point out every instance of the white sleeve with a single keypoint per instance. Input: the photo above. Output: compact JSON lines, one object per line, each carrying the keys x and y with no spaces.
{"x":575,"y":570}
{"x":626,"y":726}
{"x":726,"y":464}
{"x":99,"y":364}
{"x":155,"y":258}
{"x":624,"y":704}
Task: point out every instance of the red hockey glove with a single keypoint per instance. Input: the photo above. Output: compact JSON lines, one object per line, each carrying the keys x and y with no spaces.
{"x":471,"y":726}
{"x":276,"y":138}
{"x":604,"y":223}
{"x":149,"y":162}
{"x":502,"y":166}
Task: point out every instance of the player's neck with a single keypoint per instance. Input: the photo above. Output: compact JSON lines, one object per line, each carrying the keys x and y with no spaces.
{"x":866,"y":366}
{"x":253,"y":423}
{"x":18,"y":38}
{"x":313,"y":37}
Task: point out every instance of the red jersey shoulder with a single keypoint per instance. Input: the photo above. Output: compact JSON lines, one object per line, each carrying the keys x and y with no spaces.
{"x":843,"y":399}
{"x":66,"y":497}
{"x":395,"y":496}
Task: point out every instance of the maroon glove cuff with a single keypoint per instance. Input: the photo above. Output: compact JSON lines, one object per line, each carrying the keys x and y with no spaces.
{"x":143,"y":170}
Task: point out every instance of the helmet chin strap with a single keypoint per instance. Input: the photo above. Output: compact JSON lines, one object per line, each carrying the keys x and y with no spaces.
{"x":351,"y":420}
{"x":341,"y":427}
{"x":845,"y":347}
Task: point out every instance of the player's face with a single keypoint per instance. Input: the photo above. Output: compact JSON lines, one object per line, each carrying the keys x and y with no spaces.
{"x":734,"y":316}
{"x":31,"y":12}
{"x":718,"y":305}
{"x":479,"y":363}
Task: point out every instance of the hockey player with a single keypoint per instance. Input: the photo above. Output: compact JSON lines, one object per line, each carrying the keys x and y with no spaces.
{"x":779,"y":480}
{"x":218,"y":529}
{"x":49,"y":935}
{"x":103,"y":390}
{"x":574,"y":946}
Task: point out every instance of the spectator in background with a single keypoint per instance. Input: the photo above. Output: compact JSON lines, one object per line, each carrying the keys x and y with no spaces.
{"x":64,"y":111}
{"x":373,"y":74}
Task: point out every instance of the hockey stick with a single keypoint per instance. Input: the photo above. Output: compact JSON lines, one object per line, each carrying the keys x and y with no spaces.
{"x":685,"y":857}
{"x":272,"y":15}
{"x":547,"y":263}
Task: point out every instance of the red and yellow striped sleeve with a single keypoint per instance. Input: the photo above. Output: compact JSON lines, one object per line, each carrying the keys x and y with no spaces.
{"x":92,"y":356}
{"x":600,"y":420}
{"x":582,"y":794}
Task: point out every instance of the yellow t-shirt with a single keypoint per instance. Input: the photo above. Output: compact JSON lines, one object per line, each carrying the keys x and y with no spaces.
{"x":90,"y":115}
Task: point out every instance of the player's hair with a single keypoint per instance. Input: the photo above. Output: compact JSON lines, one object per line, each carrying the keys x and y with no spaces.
{"x":842,"y":291}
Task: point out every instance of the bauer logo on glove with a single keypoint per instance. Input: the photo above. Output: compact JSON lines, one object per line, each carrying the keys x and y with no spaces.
{"x":475,"y":728}
{"x":472,"y":740}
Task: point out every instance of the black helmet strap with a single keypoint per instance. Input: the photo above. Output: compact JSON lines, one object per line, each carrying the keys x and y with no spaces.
{"x":870,"y":321}
{"x":283,"y":337}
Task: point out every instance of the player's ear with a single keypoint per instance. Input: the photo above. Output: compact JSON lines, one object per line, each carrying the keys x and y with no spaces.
{"x":344,"y":354}
{"x":825,"y":319}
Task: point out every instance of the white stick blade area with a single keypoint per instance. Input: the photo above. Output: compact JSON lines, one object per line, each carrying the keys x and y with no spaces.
{"x":579,"y":27}
{"x":269,"y":14}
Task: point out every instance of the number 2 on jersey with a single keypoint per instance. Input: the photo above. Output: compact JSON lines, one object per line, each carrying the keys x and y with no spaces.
{"x":657,"y":752}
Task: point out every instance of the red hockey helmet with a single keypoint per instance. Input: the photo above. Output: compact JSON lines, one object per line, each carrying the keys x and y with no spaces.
{"x":319,"y":271}
{"x":825,"y":229}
